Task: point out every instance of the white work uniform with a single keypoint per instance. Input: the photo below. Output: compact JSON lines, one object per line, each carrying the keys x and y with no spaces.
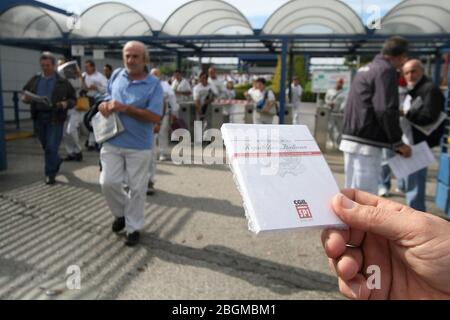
{"x":217,"y":87}
{"x":71,"y":135}
{"x":181,"y":88}
{"x":161,"y":139}
{"x":99,"y":80}
{"x":258,"y":117}
{"x":296,"y":99}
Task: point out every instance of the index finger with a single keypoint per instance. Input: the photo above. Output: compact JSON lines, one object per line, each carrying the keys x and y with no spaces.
{"x":367,"y":199}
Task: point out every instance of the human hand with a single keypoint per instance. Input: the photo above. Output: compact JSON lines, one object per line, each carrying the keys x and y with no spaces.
{"x":62,"y":104}
{"x":103,"y":108}
{"x":25,"y":99}
{"x":116,"y":106}
{"x":410,"y":248}
{"x":404,"y":150}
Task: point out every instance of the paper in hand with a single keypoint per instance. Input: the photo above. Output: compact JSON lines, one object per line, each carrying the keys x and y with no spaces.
{"x":37,"y":99}
{"x":421,"y":158}
{"x":282,"y":176}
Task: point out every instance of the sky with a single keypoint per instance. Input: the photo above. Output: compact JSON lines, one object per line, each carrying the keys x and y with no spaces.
{"x":256,"y":11}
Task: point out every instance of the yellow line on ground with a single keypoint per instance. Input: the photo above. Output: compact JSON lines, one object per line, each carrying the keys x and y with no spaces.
{"x":18,"y":136}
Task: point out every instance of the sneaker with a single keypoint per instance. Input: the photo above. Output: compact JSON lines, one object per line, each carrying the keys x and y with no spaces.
{"x":78,"y":157}
{"x":150,"y":188}
{"x":132,"y":239}
{"x":118,"y":225}
{"x":70,"y":158}
{"x":50,"y":181}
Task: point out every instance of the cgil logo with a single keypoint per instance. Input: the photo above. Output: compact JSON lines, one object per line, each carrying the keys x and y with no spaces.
{"x":303,"y":209}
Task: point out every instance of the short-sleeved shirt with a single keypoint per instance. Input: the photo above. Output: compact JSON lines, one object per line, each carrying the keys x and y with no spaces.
{"x":257,"y":95}
{"x":96,"y":79}
{"x":201,"y":92}
{"x":144,"y":94}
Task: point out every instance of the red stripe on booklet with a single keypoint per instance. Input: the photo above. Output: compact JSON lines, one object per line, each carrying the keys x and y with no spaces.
{"x":276,"y":154}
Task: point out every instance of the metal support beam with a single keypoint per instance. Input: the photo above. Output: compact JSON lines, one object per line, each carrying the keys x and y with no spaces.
{"x":290,"y":72}
{"x":437,"y":69}
{"x":179,"y":61}
{"x":3,"y":163}
{"x":284,"y":53}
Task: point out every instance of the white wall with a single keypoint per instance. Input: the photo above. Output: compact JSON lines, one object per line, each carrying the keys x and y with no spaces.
{"x":17,"y":67}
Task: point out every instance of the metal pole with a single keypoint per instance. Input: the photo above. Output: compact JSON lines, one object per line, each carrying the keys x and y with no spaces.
{"x":179,"y":58}
{"x":3,"y":162}
{"x":290,"y":73}
{"x":283,"y":80}
{"x":437,"y":69}
{"x":16,"y":109}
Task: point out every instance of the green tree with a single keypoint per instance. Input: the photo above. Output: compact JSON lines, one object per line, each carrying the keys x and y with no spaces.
{"x":298,"y":71}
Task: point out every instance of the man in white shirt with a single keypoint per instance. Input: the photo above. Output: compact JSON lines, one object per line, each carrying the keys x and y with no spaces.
{"x":203,"y":96}
{"x":296,"y":98}
{"x":335,"y":101}
{"x":265,"y":103}
{"x":216,"y":84}
{"x":181,"y":87}
{"x":95,"y":84}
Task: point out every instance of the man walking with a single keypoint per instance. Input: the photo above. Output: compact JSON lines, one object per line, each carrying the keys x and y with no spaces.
{"x":137,"y":98}
{"x":372,"y":117}
{"x":49,"y":117}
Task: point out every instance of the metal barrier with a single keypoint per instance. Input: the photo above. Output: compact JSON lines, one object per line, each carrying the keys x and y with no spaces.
{"x":15,"y":100}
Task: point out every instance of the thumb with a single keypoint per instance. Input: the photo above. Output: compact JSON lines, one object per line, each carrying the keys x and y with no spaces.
{"x":387,"y":223}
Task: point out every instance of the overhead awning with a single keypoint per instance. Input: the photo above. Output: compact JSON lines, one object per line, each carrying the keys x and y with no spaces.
{"x":206,"y":17}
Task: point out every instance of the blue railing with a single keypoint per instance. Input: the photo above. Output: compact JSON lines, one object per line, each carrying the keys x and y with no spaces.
{"x":15,"y":106}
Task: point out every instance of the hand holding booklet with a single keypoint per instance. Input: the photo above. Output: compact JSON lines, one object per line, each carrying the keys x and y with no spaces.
{"x":106,"y":128}
{"x":282,"y":176}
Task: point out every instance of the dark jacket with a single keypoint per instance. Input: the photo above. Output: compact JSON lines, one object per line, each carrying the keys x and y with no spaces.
{"x":428,"y":112}
{"x":63,"y":91}
{"x":372,"y":114}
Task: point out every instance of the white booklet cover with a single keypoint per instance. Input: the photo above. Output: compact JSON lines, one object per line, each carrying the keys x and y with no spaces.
{"x":283,"y":177}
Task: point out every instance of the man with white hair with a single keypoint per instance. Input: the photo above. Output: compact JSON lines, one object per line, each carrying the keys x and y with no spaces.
{"x":423,"y":108}
{"x":137,"y":98}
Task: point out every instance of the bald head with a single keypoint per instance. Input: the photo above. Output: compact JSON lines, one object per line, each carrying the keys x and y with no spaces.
{"x":135,"y":58}
{"x":413,"y":71}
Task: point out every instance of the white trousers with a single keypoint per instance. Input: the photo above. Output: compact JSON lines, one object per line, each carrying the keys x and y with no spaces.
{"x":296,"y":114}
{"x":153,"y":161}
{"x":125,"y":167}
{"x":163,"y":136}
{"x":261,"y":118}
{"x":71,"y":136}
{"x":362,"y":172}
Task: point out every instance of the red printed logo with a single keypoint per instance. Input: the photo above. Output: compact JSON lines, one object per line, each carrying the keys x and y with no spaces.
{"x":303,"y":209}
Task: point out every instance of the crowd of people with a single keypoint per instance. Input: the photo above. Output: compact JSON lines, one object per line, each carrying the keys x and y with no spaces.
{"x":381,"y":231}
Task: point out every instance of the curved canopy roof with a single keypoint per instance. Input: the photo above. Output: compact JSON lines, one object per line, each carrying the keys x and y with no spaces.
{"x":26,"y":21}
{"x":418,"y":17}
{"x":112,"y":19}
{"x":206,"y":17}
{"x":314,"y":17}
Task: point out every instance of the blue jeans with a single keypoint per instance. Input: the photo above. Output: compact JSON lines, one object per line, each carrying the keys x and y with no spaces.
{"x":415,"y":190}
{"x":50,"y":135}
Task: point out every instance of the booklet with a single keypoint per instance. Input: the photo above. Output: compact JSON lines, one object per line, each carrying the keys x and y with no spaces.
{"x":106,"y":128}
{"x":35,"y":98}
{"x":421,"y":158}
{"x":282,"y":176}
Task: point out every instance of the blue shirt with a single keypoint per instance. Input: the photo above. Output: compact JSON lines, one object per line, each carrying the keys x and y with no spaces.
{"x":145,"y":94}
{"x":46,"y":86}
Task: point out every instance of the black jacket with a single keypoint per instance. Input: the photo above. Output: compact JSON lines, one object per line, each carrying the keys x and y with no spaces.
{"x":428,"y":113}
{"x":372,"y":114}
{"x":63,"y":91}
